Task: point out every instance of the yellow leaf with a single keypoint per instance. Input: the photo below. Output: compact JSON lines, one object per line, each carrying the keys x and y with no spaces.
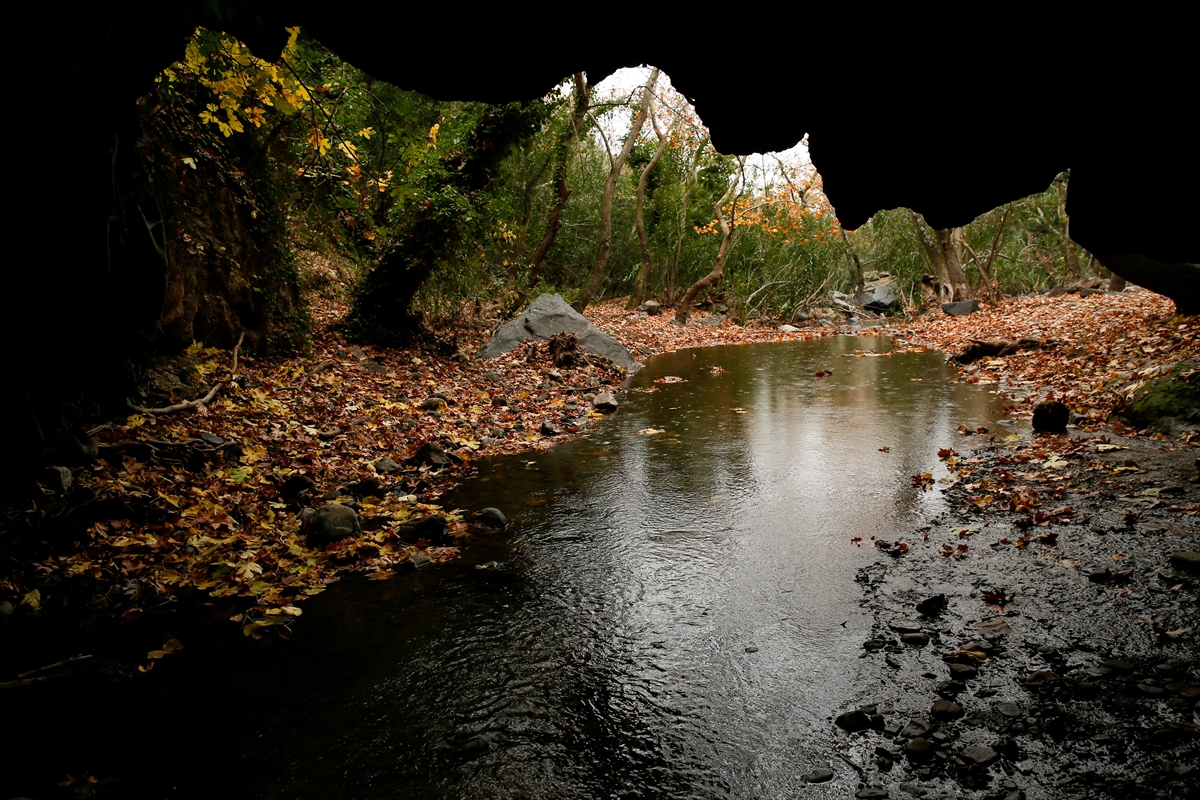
{"x":33,"y":599}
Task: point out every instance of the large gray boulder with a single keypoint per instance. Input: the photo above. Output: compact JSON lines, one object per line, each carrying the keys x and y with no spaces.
{"x":548,"y":315}
{"x":882,"y":297}
{"x":961,"y":308}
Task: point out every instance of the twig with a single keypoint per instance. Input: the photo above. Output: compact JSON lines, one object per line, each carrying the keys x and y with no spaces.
{"x":190,"y":404}
{"x":857,"y":768}
{"x":54,"y":666}
{"x":200,"y":401}
{"x":21,"y":682}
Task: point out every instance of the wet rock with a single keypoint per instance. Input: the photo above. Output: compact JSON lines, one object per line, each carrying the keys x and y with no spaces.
{"x":751,"y":649}
{"x":913,"y":790}
{"x":710,"y":321}
{"x":367,"y":487}
{"x":1150,"y":690}
{"x":212,"y":438}
{"x":854,"y":721}
{"x":1186,"y":561}
{"x":548,"y":429}
{"x":1010,"y":710}
{"x":431,"y":529}
{"x":1050,"y":416}
{"x":961,"y":308}
{"x":57,"y":479}
{"x":358,"y":353}
{"x":605,"y":401}
{"x":950,"y":689}
{"x":979,"y":755}
{"x":932,"y":606}
{"x":819,"y":775}
{"x":946,"y":710}
{"x":904,"y":626}
{"x":915,"y":639}
{"x":788,"y":329}
{"x":917,"y":727}
{"x":548,"y":315}
{"x":420,"y":560}
{"x":330,"y":523}
{"x":1008,"y":748}
{"x":651,"y":308}
{"x":963,"y":672}
{"x":433,"y":454}
{"x":880,"y":298}
{"x":919,"y":749}
{"x":1118,"y":664}
{"x":874,"y":645}
{"x":871,"y":793}
{"x":493,"y":517}
{"x":892,"y":728}
{"x":386,"y":465}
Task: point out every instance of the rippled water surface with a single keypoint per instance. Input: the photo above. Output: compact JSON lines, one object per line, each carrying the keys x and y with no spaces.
{"x":669,"y":615}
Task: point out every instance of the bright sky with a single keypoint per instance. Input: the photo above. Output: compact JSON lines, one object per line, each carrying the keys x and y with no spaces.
{"x":761,"y":168}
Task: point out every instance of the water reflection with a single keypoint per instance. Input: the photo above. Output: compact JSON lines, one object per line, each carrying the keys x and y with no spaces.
{"x":668,"y":616}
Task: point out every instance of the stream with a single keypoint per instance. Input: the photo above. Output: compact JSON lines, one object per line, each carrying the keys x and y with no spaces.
{"x":668,"y":614}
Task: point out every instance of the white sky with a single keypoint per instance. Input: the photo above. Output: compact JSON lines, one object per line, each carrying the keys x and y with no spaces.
{"x":761,"y":168}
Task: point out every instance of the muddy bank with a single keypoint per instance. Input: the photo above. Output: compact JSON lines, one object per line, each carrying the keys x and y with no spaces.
{"x":1058,"y":654}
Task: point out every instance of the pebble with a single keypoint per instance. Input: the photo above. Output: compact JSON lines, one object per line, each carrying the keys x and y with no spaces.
{"x":963,"y":672}
{"x":919,"y":749}
{"x":871,"y":793}
{"x":946,"y":710}
{"x":493,"y":517}
{"x":981,"y":756}
{"x":905,"y":626}
{"x":751,"y":649}
{"x":853,"y":721}
{"x":1186,"y":560}
{"x":819,"y":775}
{"x":1010,"y":710}
{"x":950,"y":689}
{"x":915,"y":639}
{"x":916,"y":728}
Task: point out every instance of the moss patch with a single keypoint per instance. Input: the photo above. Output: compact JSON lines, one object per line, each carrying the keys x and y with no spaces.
{"x":1168,"y":403}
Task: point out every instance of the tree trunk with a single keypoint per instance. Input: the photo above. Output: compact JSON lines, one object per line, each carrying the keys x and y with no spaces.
{"x":681,"y":222}
{"x":562,"y":157}
{"x":638,"y":295}
{"x":860,"y":281}
{"x":944,"y":249}
{"x":993,"y":292}
{"x":610,"y":188}
{"x":682,"y":310}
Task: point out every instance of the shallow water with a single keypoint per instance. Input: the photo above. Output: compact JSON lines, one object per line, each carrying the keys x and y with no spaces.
{"x":670,"y":615}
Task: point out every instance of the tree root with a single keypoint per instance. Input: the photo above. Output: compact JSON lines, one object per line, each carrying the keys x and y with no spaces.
{"x":200,"y":401}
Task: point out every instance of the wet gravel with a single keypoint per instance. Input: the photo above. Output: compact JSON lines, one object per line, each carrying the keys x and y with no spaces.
{"x":1065,"y":668}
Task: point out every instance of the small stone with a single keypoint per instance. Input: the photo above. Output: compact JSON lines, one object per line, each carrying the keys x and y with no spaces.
{"x":916,"y":728}
{"x":212,"y":438}
{"x":892,"y":728}
{"x":421,"y":560}
{"x":386,"y":465}
{"x":57,"y":479}
{"x":433,"y":404}
{"x":853,"y":721}
{"x":960,"y":308}
{"x":963,"y":672}
{"x":912,"y":790}
{"x":751,"y":649}
{"x":871,"y":793}
{"x":980,"y":756}
{"x":548,"y":429}
{"x":905,"y":626}
{"x":788,"y":329}
{"x":358,"y":352}
{"x":653,"y":308}
{"x":493,"y":517}
{"x":605,"y":401}
{"x":1186,"y":561}
{"x":375,"y":369}
{"x":1050,"y":416}
{"x":1151,"y":691}
{"x":919,"y":749}
{"x":329,"y":524}
{"x":946,"y":710}
{"x":433,"y":454}
{"x":6,"y":609}
{"x":932,"y":606}
{"x":915,"y":639}
{"x":950,"y":689}
{"x":874,"y":645}
{"x":819,"y":775}
{"x":1010,"y":710}
{"x":1119,"y":664}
